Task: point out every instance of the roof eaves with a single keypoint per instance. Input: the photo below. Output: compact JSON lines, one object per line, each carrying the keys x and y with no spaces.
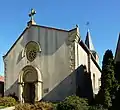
{"x":51,"y":28}
{"x":89,"y":52}
{"x":4,"y":56}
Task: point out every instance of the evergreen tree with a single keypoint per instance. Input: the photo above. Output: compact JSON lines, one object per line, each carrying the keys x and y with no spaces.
{"x":116,"y":102}
{"x":108,"y":83}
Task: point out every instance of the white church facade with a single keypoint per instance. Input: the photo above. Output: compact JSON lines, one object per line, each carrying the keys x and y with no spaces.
{"x":47,"y":63}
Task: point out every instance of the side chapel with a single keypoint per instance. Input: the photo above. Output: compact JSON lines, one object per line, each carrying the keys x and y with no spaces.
{"x":47,"y":63}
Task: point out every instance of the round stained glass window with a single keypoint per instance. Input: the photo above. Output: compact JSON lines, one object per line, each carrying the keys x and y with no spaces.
{"x":31,"y":50}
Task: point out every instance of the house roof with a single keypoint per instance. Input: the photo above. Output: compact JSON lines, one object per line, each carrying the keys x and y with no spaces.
{"x":1,"y":79}
{"x":83,"y":45}
{"x":14,"y":43}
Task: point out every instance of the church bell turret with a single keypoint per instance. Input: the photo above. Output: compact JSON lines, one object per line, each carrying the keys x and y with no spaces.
{"x":89,"y":44}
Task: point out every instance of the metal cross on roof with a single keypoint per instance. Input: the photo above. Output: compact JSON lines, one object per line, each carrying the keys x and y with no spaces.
{"x":32,"y":13}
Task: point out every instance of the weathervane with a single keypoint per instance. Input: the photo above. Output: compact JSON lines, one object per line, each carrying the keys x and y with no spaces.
{"x":32,"y":13}
{"x":87,"y":24}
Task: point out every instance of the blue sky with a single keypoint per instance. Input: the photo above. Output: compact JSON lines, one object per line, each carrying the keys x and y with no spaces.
{"x":103,"y":15}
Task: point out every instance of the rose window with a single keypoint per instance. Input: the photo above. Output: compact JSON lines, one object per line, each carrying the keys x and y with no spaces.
{"x":31,"y":50}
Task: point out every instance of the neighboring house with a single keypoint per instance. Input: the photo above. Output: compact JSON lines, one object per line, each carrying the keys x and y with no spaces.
{"x":117,"y":60}
{"x":50,"y":64}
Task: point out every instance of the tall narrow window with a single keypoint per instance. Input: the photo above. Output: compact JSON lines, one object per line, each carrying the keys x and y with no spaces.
{"x":77,"y":56}
{"x":93,"y":81}
{"x":99,"y":82}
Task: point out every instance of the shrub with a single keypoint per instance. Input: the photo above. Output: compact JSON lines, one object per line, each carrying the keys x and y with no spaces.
{"x":55,"y":106}
{"x":7,"y":101}
{"x":13,"y":96}
{"x":36,"y":106}
{"x":96,"y":107}
{"x":24,"y":106}
{"x":73,"y":103}
{"x":43,"y":106}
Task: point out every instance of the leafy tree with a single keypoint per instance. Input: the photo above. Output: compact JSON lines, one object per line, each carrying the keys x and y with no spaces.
{"x":108,"y":82}
{"x":73,"y":103}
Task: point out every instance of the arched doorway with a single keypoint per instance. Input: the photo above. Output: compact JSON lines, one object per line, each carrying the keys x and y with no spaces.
{"x":30,"y":85}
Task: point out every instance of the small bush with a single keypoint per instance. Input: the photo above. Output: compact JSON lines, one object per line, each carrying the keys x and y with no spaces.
{"x":7,"y":101}
{"x":97,"y":107}
{"x":24,"y":106}
{"x":55,"y":106}
{"x":43,"y":106}
{"x":73,"y":103}
{"x":36,"y":106}
{"x":13,"y":96}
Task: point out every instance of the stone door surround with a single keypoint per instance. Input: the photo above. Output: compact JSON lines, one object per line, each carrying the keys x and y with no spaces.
{"x":30,"y":74}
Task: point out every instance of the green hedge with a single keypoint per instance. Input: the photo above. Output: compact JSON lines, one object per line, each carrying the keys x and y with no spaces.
{"x":69,"y":103}
{"x":7,"y":101}
{"x":97,"y":107}
{"x":36,"y":106}
{"x":73,"y":103}
{"x":43,"y":106}
{"x":24,"y":106}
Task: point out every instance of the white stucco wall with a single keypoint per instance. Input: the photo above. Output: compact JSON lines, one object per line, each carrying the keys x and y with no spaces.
{"x":95,"y":70}
{"x":52,"y":62}
{"x":81,"y":57}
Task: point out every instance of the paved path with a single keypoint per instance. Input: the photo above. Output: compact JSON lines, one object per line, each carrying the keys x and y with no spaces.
{"x":8,"y":108}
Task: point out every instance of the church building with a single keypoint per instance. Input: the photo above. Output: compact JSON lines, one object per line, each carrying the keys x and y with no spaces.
{"x":47,"y":63}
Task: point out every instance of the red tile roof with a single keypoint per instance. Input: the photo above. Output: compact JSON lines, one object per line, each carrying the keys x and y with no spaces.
{"x":1,"y":79}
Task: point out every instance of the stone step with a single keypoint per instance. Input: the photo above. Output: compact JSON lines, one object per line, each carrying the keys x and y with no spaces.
{"x":8,"y":108}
